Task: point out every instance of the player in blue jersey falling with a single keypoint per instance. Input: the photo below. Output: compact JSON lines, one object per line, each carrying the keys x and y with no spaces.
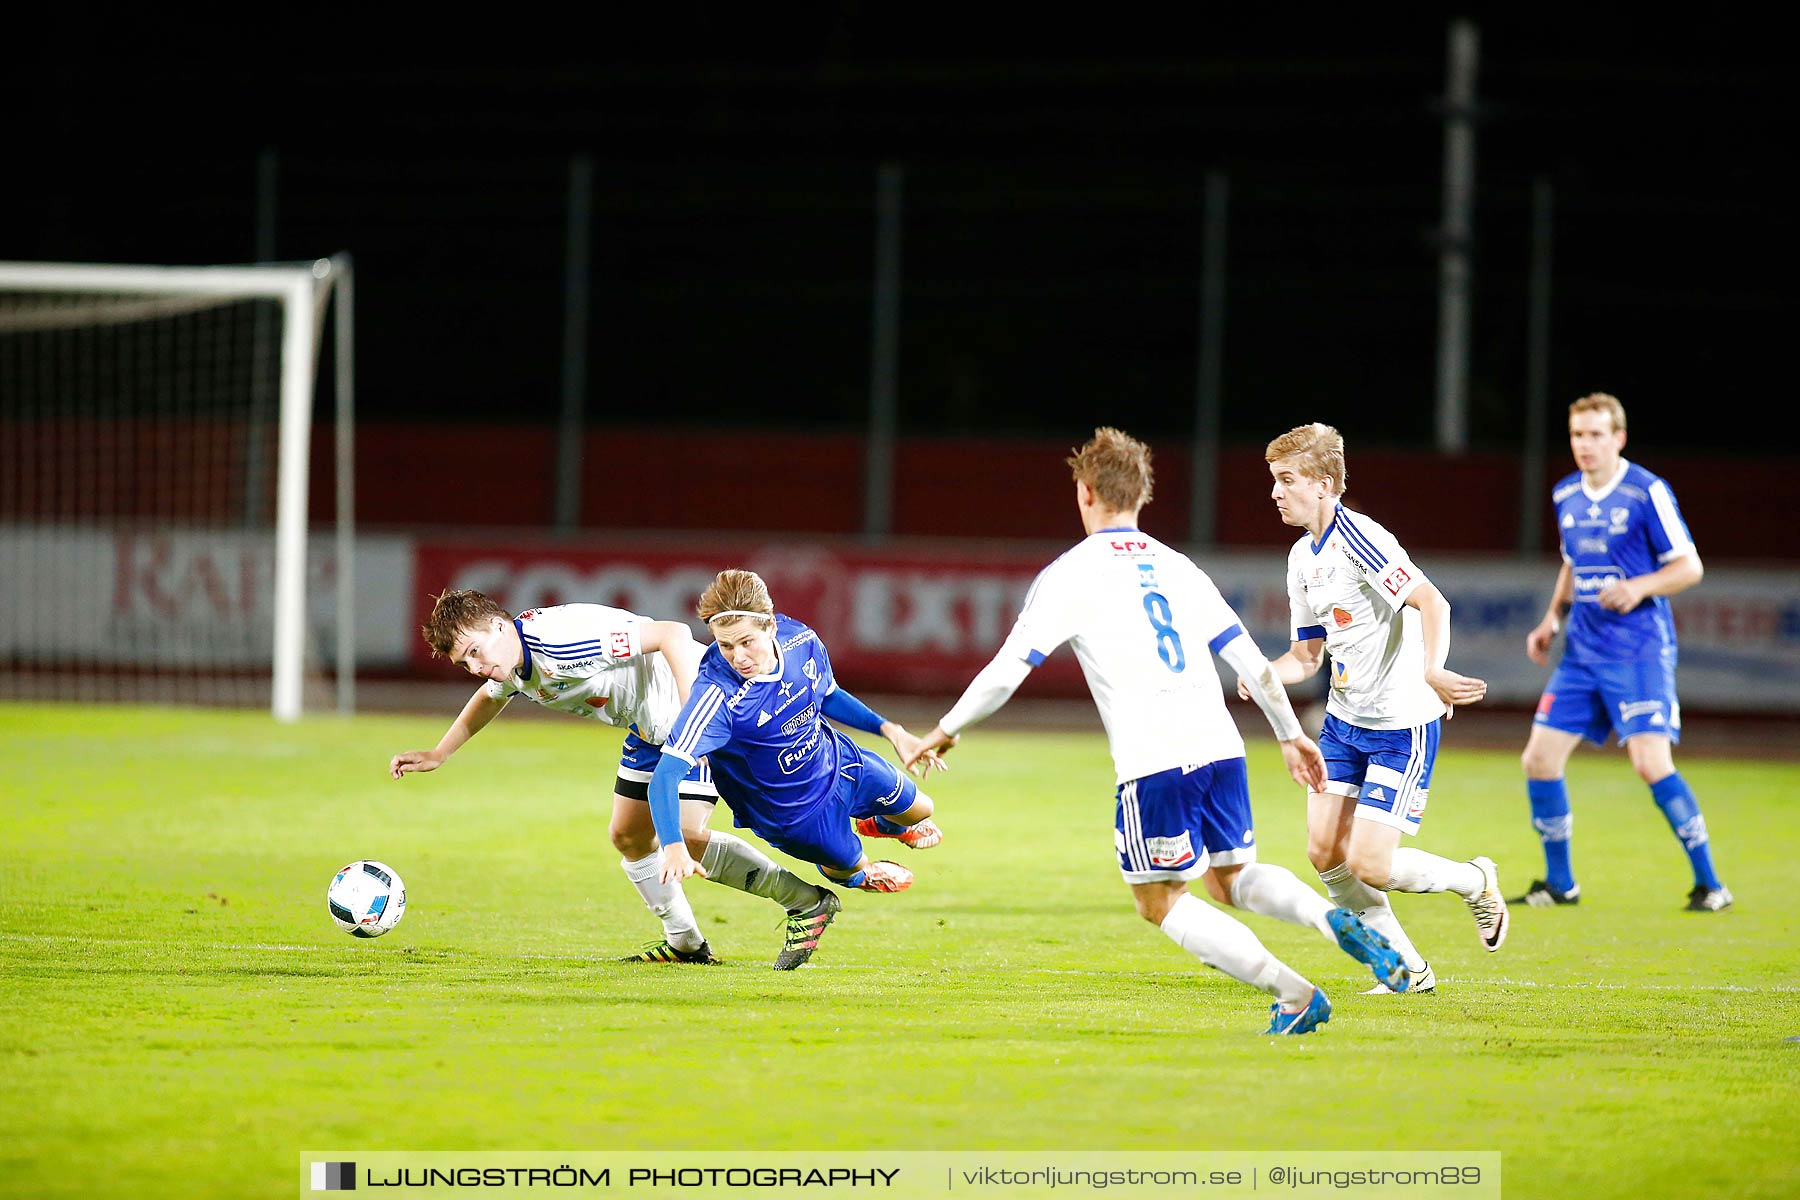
{"x":1355,"y":594}
{"x":1625,"y":551}
{"x":627,"y":671}
{"x":757,"y":714}
{"x":1145,"y":622}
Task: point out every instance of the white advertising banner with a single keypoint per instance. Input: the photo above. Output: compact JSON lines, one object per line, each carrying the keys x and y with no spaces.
{"x":185,"y":599}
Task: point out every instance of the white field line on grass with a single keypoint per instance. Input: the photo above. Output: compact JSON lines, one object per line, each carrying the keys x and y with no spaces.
{"x":1490,"y":981}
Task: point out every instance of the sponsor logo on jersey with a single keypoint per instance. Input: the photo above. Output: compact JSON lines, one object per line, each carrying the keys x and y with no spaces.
{"x":1130,"y":547}
{"x":1568,"y":521}
{"x":795,"y":756}
{"x":1375,"y":793}
{"x":581,"y":664}
{"x":1170,"y":851}
{"x":1544,"y":703}
{"x":1588,"y":587}
{"x":787,"y":685}
{"x":1341,"y":618}
{"x":805,"y":635}
{"x":789,"y":702}
{"x":620,"y":644}
{"x":799,"y":719}
{"x":1249,"y":836}
{"x":528,"y":614}
{"x":1395,"y":579}
{"x":762,"y":718}
{"x":1591,"y":545}
{"x":1415,"y":808}
{"x":1637,"y":708}
{"x":1594,"y":511}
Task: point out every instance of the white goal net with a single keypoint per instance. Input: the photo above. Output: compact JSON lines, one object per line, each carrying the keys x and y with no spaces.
{"x":155,"y":438}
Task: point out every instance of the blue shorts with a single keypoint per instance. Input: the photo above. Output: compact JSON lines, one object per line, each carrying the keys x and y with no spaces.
{"x":1176,"y":823}
{"x":1626,"y":698}
{"x":868,"y":785}
{"x":637,"y":762}
{"x":1387,"y":770}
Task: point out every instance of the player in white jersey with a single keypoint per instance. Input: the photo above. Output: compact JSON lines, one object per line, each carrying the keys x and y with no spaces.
{"x":1145,"y":622}
{"x":1354,"y":592}
{"x":615,"y":667}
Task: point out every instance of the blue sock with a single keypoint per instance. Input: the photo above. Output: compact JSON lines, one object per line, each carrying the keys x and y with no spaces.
{"x":1551,"y":817}
{"x":1683,"y":814}
{"x":888,"y":827}
{"x":855,"y":880}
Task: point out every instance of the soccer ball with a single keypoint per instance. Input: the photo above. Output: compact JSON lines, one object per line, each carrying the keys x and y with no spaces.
{"x":366,"y":899}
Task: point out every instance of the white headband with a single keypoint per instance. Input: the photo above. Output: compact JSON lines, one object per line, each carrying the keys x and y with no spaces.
{"x":738,"y":612}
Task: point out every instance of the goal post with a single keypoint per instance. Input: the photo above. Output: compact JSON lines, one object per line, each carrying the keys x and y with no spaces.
{"x":58,"y":324}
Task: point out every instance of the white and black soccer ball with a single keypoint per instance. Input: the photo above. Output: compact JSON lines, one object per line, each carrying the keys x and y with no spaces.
{"x":366,"y":898}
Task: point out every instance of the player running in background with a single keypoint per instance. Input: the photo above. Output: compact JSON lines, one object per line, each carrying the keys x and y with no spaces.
{"x":620,"y":669}
{"x":1145,"y":623}
{"x":1353,"y":591}
{"x":757,"y":714}
{"x":1625,"y":551}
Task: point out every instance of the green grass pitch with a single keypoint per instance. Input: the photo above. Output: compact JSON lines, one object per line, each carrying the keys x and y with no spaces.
{"x":183,"y":1019}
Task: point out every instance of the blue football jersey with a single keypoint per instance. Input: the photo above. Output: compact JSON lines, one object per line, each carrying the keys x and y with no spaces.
{"x":773,"y":756}
{"x":1629,"y":527}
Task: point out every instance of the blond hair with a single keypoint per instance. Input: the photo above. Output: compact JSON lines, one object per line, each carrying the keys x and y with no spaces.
{"x":1318,"y":451}
{"x":454,"y":612}
{"x":1117,"y":466}
{"x":738,"y":593}
{"x":1602,"y":403}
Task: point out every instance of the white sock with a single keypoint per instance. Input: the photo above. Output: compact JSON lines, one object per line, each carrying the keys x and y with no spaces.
{"x":1277,"y":892}
{"x":666,"y":900}
{"x":1227,"y":945}
{"x":732,"y":861}
{"x":1347,"y":891}
{"x":1419,"y":871}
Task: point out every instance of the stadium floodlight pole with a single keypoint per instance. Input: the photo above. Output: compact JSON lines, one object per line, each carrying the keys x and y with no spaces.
{"x":572,"y":430}
{"x":1203,"y":508}
{"x":1453,"y":239}
{"x":884,"y":365}
{"x":1537,"y":372}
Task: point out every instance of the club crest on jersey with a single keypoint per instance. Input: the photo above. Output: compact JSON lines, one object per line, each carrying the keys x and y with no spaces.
{"x":1340,"y":674}
{"x":1619,"y":517}
{"x":1341,"y":618}
{"x":1395,"y":579}
{"x":620,"y":642}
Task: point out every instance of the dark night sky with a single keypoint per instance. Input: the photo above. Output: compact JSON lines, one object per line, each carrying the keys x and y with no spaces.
{"x":1052,"y":227}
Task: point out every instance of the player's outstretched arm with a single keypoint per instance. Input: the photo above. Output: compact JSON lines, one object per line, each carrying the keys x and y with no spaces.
{"x":1434,"y":627}
{"x":1300,"y":663}
{"x":992,"y":687}
{"x":1537,"y":642}
{"x":665,"y":814}
{"x":675,"y":642}
{"x":474,"y":717}
{"x":1304,"y":762}
{"x":928,"y":751}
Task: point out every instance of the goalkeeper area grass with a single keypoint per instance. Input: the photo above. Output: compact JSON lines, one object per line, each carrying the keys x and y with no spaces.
{"x":183,"y":1019}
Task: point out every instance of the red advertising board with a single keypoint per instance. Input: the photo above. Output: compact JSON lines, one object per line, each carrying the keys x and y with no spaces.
{"x":903,"y":619}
